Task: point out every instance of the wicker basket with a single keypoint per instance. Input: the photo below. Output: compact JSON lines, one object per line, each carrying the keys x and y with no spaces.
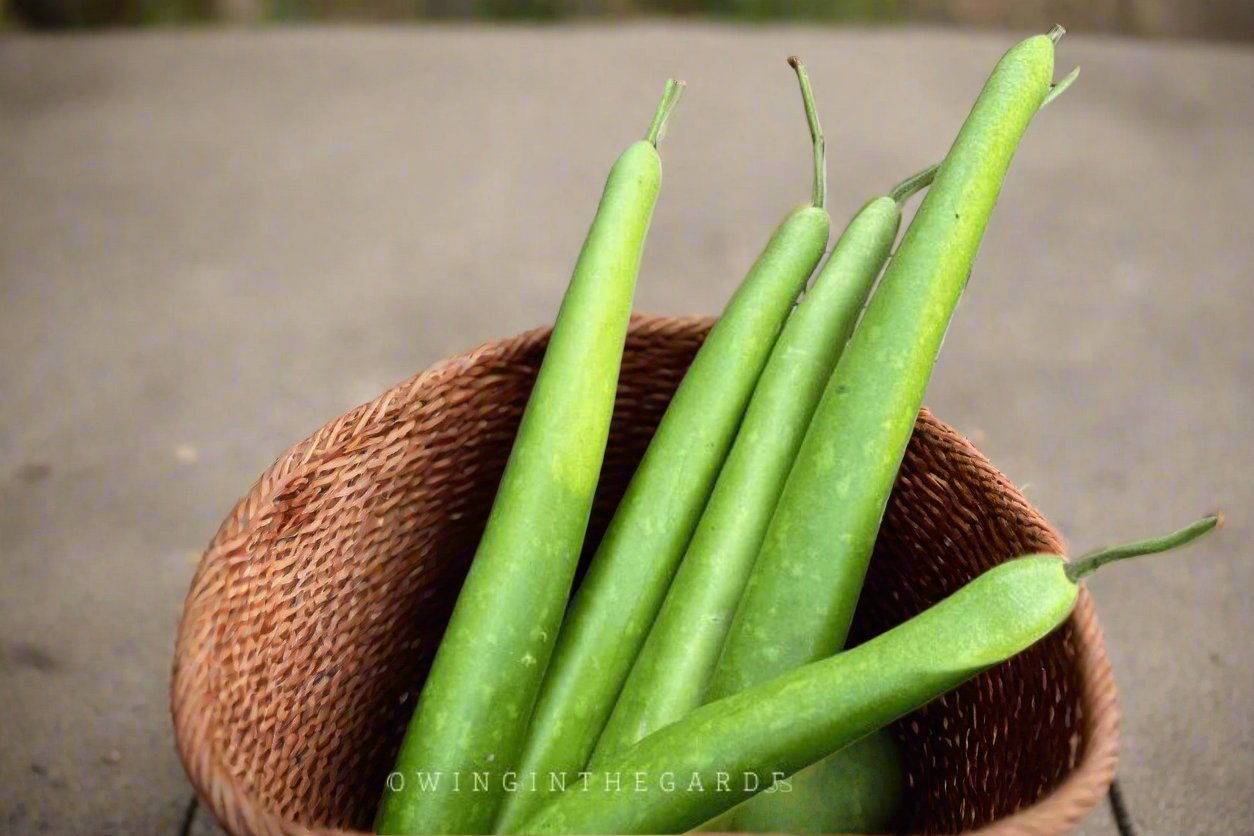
{"x":317,"y":607}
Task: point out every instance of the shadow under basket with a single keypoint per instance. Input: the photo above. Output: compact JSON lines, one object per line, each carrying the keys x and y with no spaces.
{"x":316,"y":610}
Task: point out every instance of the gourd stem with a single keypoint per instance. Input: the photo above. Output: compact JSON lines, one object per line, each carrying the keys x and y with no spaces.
{"x":670,"y":98}
{"x":913,"y":184}
{"x":1056,"y":90}
{"x":1091,"y":562}
{"x":819,"y":197}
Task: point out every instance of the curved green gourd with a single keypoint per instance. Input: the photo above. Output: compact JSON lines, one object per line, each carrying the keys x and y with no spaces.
{"x":775,"y":729}
{"x":670,"y":781}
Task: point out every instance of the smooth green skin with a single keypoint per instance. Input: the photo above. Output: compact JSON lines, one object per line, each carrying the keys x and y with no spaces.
{"x":487,"y":671}
{"x":801,"y":595}
{"x":857,"y":790}
{"x":670,"y":676}
{"x":860,"y":790}
{"x":620,"y":596}
{"x":785,"y":724}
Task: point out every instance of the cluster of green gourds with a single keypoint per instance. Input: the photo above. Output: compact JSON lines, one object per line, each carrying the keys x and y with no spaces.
{"x":704,"y":643}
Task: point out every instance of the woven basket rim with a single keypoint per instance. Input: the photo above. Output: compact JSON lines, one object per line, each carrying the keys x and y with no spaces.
{"x":241,"y":811}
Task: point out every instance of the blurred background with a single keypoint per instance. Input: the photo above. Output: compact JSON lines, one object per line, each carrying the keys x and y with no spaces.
{"x":225,"y":222}
{"x":1219,"y":19}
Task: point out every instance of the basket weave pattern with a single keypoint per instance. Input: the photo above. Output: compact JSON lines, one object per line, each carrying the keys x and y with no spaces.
{"x":318,"y":605}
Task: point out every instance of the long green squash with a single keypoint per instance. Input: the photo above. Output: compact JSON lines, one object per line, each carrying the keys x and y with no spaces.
{"x":731,"y":749}
{"x":474,"y":706}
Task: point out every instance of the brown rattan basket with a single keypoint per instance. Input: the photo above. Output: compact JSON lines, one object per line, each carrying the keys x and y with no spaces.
{"x":317,"y":607}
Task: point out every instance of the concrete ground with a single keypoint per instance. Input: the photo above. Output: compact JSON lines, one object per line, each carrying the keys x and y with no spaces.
{"x":213,"y":242}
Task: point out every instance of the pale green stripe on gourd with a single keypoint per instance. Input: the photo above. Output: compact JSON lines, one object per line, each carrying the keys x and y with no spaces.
{"x":482,"y":685}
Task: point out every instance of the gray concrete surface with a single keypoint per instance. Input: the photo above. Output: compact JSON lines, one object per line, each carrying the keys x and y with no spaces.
{"x":211,"y":243}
